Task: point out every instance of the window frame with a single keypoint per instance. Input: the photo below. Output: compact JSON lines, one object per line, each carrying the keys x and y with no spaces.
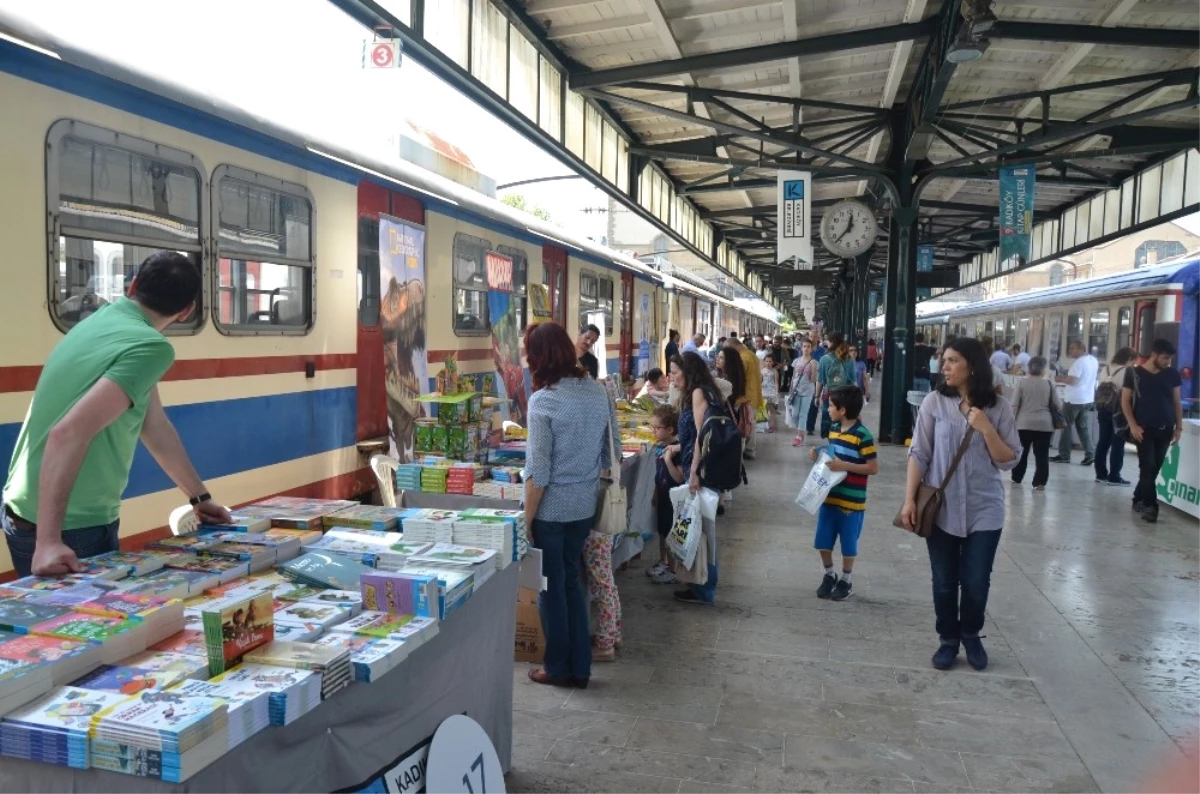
{"x":609,"y":310}
{"x":1070,"y":338}
{"x":1092,"y":323}
{"x":1124,"y":328}
{"x":520,"y":260}
{"x":237,"y":173}
{"x":595,"y":306}
{"x":456,"y":285}
{"x":55,"y":230}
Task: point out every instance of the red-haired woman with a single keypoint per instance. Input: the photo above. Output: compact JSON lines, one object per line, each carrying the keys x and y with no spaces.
{"x":570,"y":417}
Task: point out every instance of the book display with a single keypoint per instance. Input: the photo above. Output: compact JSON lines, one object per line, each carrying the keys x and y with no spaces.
{"x":157,"y":664}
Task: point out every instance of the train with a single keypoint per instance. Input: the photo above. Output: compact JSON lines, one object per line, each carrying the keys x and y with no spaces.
{"x":337,"y":287}
{"x":1129,"y":309}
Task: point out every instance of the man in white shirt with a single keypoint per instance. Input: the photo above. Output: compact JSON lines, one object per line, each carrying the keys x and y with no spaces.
{"x":1079,"y":400}
{"x":1020,"y":359}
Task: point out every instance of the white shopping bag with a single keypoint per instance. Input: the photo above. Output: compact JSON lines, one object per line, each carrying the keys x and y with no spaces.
{"x":793,"y":402}
{"x":685,"y":535}
{"x":819,"y":483}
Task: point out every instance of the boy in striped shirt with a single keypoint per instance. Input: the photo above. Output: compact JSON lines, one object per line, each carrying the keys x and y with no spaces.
{"x":840,"y":518}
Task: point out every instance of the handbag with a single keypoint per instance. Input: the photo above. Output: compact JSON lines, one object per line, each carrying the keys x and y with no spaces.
{"x":929,"y":499}
{"x":612,"y":517}
{"x":1119,"y":420}
{"x":1056,"y":415}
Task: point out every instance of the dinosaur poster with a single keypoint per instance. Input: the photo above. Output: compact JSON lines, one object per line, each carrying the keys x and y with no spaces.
{"x":506,"y":334}
{"x":402,"y":317}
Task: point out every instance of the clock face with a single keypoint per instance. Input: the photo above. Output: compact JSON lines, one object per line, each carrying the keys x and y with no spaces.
{"x":848,"y":228}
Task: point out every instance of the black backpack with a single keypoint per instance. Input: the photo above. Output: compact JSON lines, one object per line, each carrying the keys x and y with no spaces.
{"x":720,"y":449}
{"x":1108,"y":394}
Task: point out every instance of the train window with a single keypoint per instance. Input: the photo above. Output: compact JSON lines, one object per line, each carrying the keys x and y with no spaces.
{"x":520,"y":279}
{"x":1010,"y":332}
{"x":589,"y":296}
{"x":606,"y":304}
{"x":1124,"y":326}
{"x":1146,"y":316}
{"x":470,"y":285}
{"x":114,"y":200}
{"x":1054,"y":342}
{"x":1098,"y":334}
{"x":368,"y":271}
{"x":1074,"y":329}
{"x":265,"y":263}
{"x":980,"y":329}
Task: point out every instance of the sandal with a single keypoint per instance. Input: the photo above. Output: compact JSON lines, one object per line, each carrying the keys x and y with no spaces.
{"x":604,"y":654}
{"x":540,"y":676}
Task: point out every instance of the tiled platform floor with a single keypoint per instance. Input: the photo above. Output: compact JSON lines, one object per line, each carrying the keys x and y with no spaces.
{"x":1092,"y":631}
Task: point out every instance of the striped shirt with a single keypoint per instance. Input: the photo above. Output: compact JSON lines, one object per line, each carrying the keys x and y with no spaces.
{"x":853,"y":444}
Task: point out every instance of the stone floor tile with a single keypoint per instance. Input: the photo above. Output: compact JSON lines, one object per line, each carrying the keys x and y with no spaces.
{"x":1006,"y":774}
{"x":734,"y":742}
{"x":792,"y":779}
{"x":802,"y":716}
{"x":688,"y":703}
{"x":720,"y":771}
{"x":528,"y":748}
{"x":874,"y":759}
{"x":545,"y":777}
{"x":991,"y":734}
{"x":581,"y":726}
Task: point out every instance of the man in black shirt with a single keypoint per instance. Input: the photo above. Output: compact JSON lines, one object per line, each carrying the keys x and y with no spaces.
{"x":922,"y":379}
{"x":583,"y":346}
{"x":672,"y":347}
{"x":1151,"y":403}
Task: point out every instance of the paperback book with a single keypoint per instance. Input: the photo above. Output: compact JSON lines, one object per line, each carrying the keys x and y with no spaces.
{"x":54,"y":729}
{"x":236,"y":626}
{"x":67,"y":659}
{"x":324,"y":570}
{"x":401,"y":592}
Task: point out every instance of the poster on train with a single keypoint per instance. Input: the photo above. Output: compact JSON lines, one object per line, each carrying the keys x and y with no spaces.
{"x":506,"y":335}
{"x":402,"y":319}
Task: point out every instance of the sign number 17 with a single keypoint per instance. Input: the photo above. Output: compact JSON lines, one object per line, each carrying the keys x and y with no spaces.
{"x":477,"y":764}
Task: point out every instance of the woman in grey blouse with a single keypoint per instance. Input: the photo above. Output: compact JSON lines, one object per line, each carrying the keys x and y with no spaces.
{"x":566,"y":454}
{"x":1035,"y":424}
{"x":963,"y":545}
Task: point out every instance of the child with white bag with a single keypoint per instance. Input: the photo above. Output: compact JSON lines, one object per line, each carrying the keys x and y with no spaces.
{"x":840,"y":519}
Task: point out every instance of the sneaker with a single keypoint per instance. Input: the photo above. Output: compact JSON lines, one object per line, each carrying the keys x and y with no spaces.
{"x":1119,"y":483}
{"x":720,"y":510}
{"x":689,"y":597}
{"x":798,"y":441}
{"x":1059,"y":459}
{"x":1137,"y":506}
{"x":976,"y":656}
{"x":1102,"y":479}
{"x":841,"y":590}
{"x":1150,"y":514}
{"x":665,"y":576}
{"x":1087,"y":461}
{"x":828,"y":582}
{"x":1039,"y":487}
{"x":656,"y":569}
{"x":944,"y":656}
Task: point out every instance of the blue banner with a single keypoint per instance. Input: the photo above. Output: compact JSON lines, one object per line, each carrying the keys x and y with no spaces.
{"x":1016,"y":216}
{"x":924,"y":258}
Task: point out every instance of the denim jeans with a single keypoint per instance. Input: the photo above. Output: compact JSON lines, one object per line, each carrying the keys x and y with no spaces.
{"x":708,"y":590}
{"x":1152,"y":451}
{"x":1079,"y":418}
{"x":1110,"y":450}
{"x":961,"y":566}
{"x":811,"y":425}
{"x":562,"y":606}
{"x":21,"y":537}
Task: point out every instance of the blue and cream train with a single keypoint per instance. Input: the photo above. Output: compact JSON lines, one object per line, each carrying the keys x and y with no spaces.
{"x":279,"y":377}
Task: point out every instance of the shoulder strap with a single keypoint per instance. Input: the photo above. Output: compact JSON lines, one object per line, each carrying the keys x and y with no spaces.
{"x":614,"y":462}
{"x":958,"y":456}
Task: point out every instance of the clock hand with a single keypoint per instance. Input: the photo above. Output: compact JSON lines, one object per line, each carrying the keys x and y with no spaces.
{"x":849,"y":226}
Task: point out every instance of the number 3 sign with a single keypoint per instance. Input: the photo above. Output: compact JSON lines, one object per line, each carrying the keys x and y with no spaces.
{"x":462,"y":759}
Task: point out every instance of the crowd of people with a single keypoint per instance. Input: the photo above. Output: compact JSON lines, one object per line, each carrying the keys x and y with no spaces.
{"x":969,"y":431}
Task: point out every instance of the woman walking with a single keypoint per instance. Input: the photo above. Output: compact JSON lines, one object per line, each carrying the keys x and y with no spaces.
{"x":804,"y":385}
{"x":571,"y":421}
{"x":963,"y":544}
{"x":835,"y":370}
{"x":1031,"y":404}
{"x":700,"y":397}
{"x":1110,"y":450}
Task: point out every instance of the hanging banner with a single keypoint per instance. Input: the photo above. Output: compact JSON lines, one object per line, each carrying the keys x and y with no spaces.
{"x":1016,"y":216}
{"x":924,"y":258}
{"x":402,"y":318}
{"x":794,"y":242}
{"x":506,"y":335}
{"x":539,"y":304}
{"x":643,"y":358}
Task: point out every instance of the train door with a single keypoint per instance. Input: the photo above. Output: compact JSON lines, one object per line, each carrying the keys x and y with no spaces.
{"x":626,"y":323}
{"x":554,"y":261}
{"x":1145,"y":314}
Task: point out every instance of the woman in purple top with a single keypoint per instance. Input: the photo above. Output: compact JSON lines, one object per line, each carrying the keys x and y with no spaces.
{"x":963,"y":545}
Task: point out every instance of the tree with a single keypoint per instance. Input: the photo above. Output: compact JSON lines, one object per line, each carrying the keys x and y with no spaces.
{"x":517,"y":202}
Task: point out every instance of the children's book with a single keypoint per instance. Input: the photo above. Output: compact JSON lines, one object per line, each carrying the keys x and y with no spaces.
{"x":126,"y":680}
{"x":327,"y":570}
{"x":125,"y":604}
{"x":296,"y":655}
{"x":67,"y":709}
{"x":236,"y":626}
{"x":84,"y":626}
{"x":21,"y":616}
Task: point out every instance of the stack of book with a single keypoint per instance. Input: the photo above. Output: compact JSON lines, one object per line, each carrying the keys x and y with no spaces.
{"x":66,"y":659}
{"x":301,"y":536}
{"x":380,"y":625}
{"x":311,"y":612}
{"x":371,"y":657}
{"x":494,"y":489}
{"x":54,"y":728}
{"x":236,"y":626}
{"x":490,"y":529}
{"x":455,"y":586}
{"x":119,"y":637}
{"x":510,"y":475}
{"x":171,"y":583}
{"x":156,"y":616}
{"x":292,"y":693}
{"x":348,"y":600}
{"x":283,"y":547}
{"x":258,"y":556}
{"x":297,"y":632}
{"x":366,"y":517}
{"x":320,"y":569}
{"x":225,"y":569}
{"x":75,"y":594}
{"x":480,"y":562}
{"x":400,"y":592}
{"x":22,"y":682}
{"x":408,"y":477}
{"x":332,"y":663}
{"x":191,"y":543}
{"x":30,"y":585}
{"x":433,"y":479}
{"x":430,"y":526}
{"x":168,"y":734}
{"x":249,"y":706}
{"x":131,"y":563}
{"x":363,"y":551}
{"x":245,"y":519}
{"x":416,"y":633}
{"x":181,"y":666}
{"x":148,"y":670}
{"x":295,"y":513}
{"x":461,"y":479}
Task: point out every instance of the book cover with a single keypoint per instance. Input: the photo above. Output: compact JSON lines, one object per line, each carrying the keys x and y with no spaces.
{"x":134,"y":563}
{"x":405,"y":593}
{"x":45,"y":584}
{"x":20,"y":616}
{"x":187,"y":666}
{"x":126,"y":680}
{"x":309,"y":612}
{"x":347,"y":599}
{"x":328,"y":569}
{"x":77,"y":594}
{"x":453,"y":554}
{"x":245,"y":519}
{"x":385,"y":628}
{"x":125,"y":604}
{"x":297,"y":592}
{"x":83,"y":626}
{"x":365,"y":517}
{"x":240,"y":551}
{"x":189,"y":642}
{"x":190,"y":543}
{"x":66,"y":709}
{"x":236,"y":626}
{"x":220,"y":566}
{"x":296,"y":655}
{"x":170,"y":583}
{"x":160,"y":713}
{"x":38,"y":649}
{"x":250,"y":677}
{"x":283,"y":535}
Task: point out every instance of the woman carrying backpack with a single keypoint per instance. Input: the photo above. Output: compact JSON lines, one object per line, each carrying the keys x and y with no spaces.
{"x":699,"y":400}
{"x":1110,"y":451}
{"x":835,"y":370}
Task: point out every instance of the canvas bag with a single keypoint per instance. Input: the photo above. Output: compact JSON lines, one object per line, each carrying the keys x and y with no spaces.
{"x":684,"y":539}
{"x":612,"y":514}
{"x":930,"y":499}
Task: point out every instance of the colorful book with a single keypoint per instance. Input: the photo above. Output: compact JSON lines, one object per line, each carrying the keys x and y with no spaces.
{"x":296,"y":655}
{"x":84,"y":626}
{"x":324,"y":615}
{"x":161,"y":720}
{"x":41,"y":649}
{"x":125,"y":604}
{"x":327,"y":570}
{"x":133,"y":563}
{"x":366,"y":517}
{"x":236,"y":626}
{"x":55,"y":727}
{"x":244,"y":519}
{"x":192,"y":543}
{"x":405,"y":593}
{"x":183,"y":666}
{"x":77,"y":594}
{"x":189,"y":642}
{"x":171,"y":583}
{"x":21,"y":616}
{"x":126,"y":680}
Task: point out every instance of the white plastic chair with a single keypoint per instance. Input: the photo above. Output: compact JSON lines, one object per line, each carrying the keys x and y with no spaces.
{"x":385,"y":467}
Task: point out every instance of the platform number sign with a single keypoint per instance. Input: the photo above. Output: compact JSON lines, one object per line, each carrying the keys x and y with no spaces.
{"x":793,"y":208}
{"x":462,"y":759}
{"x":381,"y":54}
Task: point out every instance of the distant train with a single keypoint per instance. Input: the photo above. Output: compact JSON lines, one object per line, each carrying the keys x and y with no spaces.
{"x":280,"y":376}
{"x":1125,"y":310}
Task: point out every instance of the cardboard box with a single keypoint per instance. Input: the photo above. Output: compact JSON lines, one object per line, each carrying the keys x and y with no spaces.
{"x":529,"y":643}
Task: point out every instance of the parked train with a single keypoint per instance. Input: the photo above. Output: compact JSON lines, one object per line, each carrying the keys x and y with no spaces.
{"x":1129,"y":309}
{"x":280,"y":376}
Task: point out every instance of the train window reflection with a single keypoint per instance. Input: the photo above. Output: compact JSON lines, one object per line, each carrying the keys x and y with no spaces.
{"x":470,"y":285}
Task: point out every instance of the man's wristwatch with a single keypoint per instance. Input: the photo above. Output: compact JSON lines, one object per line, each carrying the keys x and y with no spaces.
{"x":204,"y":497}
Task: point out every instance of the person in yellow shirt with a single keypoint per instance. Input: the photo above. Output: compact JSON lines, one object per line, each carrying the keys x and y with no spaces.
{"x":754,"y":394}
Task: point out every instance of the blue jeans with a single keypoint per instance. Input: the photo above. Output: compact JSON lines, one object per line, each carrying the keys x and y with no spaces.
{"x":1079,"y":418}
{"x":1110,"y":450}
{"x":961,"y":565}
{"x":708,"y":590}
{"x":563,"y":608}
{"x":21,"y":537}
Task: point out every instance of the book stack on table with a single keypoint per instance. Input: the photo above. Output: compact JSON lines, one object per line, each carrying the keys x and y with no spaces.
{"x":408,"y":477}
{"x":163,"y":734}
{"x":455,"y":586}
{"x":480,"y":562}
{"x":249,"y":706}
{"x":333,"y":664}
{"x":430,"y":526}
{"x":372,"y":517}
{"x":292,"y":693}
{"x":321,"y":569}
{"x":55,"y":728}
{"x":370,"y":657}
{"x":500,"y":530}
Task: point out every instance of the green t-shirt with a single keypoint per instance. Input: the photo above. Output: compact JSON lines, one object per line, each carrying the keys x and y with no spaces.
{"x":119,"y":343}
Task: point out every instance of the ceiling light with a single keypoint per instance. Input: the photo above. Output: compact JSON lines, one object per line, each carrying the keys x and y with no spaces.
{"x":966,"y":48}
{"x":28,"y":45}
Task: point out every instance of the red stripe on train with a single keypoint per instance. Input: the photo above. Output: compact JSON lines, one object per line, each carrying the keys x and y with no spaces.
{"x":18,"y":379}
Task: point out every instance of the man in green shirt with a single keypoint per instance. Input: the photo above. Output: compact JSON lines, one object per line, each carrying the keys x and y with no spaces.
{"x":96,"y":396}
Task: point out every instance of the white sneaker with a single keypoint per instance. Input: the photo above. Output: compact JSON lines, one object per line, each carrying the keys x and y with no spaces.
{"x":666,"y":576}
{"x":656,"y":569}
